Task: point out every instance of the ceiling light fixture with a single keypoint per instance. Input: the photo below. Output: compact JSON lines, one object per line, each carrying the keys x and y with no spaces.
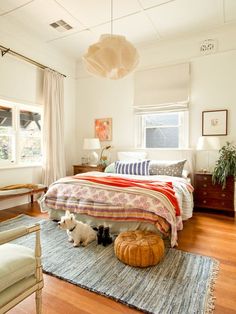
{"x":112,"y":56}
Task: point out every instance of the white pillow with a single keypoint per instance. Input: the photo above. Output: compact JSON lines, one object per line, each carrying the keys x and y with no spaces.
{"x":131,"y":156}
{"x":185,"y":173}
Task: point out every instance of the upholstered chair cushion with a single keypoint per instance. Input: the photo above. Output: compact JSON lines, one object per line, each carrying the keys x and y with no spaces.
{"x":17,"y":263}
{"x":15,"y":290}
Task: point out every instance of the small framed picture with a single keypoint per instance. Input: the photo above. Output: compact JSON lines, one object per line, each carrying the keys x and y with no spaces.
{"x":215,"y":123}
{"x":103,"y":129}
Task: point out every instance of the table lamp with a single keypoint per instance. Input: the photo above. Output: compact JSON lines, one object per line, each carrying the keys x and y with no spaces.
{"x":92,"y":144}
{"x":208,"y":143}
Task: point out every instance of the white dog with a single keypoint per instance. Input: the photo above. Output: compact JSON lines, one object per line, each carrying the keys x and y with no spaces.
{"x":77,"y":231}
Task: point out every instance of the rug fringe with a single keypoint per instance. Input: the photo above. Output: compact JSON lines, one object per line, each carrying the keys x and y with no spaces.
{"x":210,"y":304}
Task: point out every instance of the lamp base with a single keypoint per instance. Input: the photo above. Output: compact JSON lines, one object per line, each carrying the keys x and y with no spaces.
{"x":93,"y":159}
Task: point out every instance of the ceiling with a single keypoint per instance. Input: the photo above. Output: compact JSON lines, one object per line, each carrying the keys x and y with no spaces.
{"x":141,"y":21}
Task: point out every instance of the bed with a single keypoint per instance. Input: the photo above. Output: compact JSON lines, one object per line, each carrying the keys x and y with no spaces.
{"x":149,"y":203}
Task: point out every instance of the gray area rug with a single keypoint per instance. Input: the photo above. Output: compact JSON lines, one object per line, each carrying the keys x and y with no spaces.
{"x":181,"y":283}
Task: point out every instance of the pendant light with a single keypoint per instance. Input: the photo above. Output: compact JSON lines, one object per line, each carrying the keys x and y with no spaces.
{"x":112,"y":56}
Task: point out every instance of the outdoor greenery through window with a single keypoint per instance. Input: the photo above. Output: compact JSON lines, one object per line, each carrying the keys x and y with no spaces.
{"x":20,"y":134}
{"x":163,"y":130}
{"x":6,"y":134}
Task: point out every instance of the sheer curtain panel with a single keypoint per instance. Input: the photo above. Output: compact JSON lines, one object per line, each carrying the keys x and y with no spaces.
{"x":53,"y":127}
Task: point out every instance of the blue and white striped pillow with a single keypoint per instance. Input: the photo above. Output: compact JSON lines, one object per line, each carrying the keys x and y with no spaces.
{"x":137,"y":168}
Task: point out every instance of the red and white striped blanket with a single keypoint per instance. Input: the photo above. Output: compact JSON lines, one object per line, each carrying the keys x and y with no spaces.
{"x":120,"y":199}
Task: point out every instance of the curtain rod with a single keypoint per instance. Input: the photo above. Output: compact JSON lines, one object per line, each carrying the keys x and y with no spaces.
{"x":5,"y":50}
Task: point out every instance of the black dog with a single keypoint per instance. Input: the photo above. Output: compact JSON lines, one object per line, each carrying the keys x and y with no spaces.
{"x":103,"y":236}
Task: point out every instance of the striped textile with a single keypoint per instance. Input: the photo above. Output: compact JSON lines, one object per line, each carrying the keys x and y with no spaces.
{"x":165,"y":188}
{"x":67,"y":193}
{"x":121,"y":203}
{"x":136,"y":168}
{"x":109,"y":212}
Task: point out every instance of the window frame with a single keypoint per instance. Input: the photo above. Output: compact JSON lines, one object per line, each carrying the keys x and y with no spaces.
{"x":140,"y":134}
{"x":16,"y":108}
{"x":7,"y":163}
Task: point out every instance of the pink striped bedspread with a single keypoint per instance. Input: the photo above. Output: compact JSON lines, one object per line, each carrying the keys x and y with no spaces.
{"x":114,"y":203}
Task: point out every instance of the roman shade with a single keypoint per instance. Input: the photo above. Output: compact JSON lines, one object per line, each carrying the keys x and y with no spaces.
{"x":161,"y":89}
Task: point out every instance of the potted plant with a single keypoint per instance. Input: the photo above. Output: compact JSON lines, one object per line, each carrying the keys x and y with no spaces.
{"x":225,"y":165}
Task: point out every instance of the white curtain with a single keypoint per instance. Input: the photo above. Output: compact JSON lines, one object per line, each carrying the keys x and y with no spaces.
{"x":53,"y":127}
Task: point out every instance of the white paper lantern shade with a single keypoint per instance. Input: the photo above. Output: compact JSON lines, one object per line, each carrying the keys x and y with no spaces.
{"x":112,"y":57}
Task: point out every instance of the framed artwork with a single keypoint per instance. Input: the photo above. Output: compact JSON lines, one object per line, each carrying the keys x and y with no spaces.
{"x":103,"y":129}
{"x":214,"y":123}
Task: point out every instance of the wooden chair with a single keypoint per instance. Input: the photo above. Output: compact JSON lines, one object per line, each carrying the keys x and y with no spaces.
{"x":20,"y":269}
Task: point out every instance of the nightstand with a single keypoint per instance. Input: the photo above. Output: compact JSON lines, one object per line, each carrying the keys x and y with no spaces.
{"x":208,"y":195}
{"x":86,"y":168}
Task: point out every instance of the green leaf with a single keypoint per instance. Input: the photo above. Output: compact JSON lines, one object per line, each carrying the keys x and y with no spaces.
{"x":225,"y":165}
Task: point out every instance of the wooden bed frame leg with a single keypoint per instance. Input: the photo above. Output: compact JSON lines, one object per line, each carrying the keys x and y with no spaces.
{"x":38,"y":301}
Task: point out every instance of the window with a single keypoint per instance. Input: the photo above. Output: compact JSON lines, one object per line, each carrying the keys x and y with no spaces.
{"x":162,"y":130}
{"x":20,"y":134}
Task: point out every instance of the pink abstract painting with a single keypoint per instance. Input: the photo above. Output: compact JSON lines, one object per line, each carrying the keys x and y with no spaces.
{"x":103,"y":129}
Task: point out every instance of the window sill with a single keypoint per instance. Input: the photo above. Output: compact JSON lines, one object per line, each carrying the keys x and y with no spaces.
{"x":8,"y":167}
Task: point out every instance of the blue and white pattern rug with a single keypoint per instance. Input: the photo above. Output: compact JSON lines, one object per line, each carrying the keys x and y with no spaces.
{"x":182,"y":283}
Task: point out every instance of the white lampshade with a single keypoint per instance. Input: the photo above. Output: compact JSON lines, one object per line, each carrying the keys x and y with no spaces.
{"x":91,"y":144}
{"x":208,"y":143}
{"x":112,"y":57}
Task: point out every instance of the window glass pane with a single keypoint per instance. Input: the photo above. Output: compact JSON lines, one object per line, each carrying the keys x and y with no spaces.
{"x":30,"y":136}
{"x":6,"y":134}
{"x":5,"y":148}
{"x":30,"y":123}
{"x":162,"y":119}
{"x":162,"y":137}
{"x":30,"y":149}
{"x":5,"y":119}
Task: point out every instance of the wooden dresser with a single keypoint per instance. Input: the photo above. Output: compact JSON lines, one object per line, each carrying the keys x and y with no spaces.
{"x":86,"y":168}
{"x":208,"y":195}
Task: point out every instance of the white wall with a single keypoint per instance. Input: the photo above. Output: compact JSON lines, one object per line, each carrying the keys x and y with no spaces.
{"x":23,"y":82}
{"x":98,"y":98}
{"x":212,"y":87}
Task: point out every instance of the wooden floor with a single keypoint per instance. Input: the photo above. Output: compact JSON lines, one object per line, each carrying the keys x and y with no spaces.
{"x":207,"y":234}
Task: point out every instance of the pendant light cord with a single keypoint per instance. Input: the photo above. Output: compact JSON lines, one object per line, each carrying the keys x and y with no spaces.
{"x":111,"y":17}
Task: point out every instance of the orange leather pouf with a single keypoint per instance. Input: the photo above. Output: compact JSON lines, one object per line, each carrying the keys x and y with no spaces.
{"x":139,"y":248}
